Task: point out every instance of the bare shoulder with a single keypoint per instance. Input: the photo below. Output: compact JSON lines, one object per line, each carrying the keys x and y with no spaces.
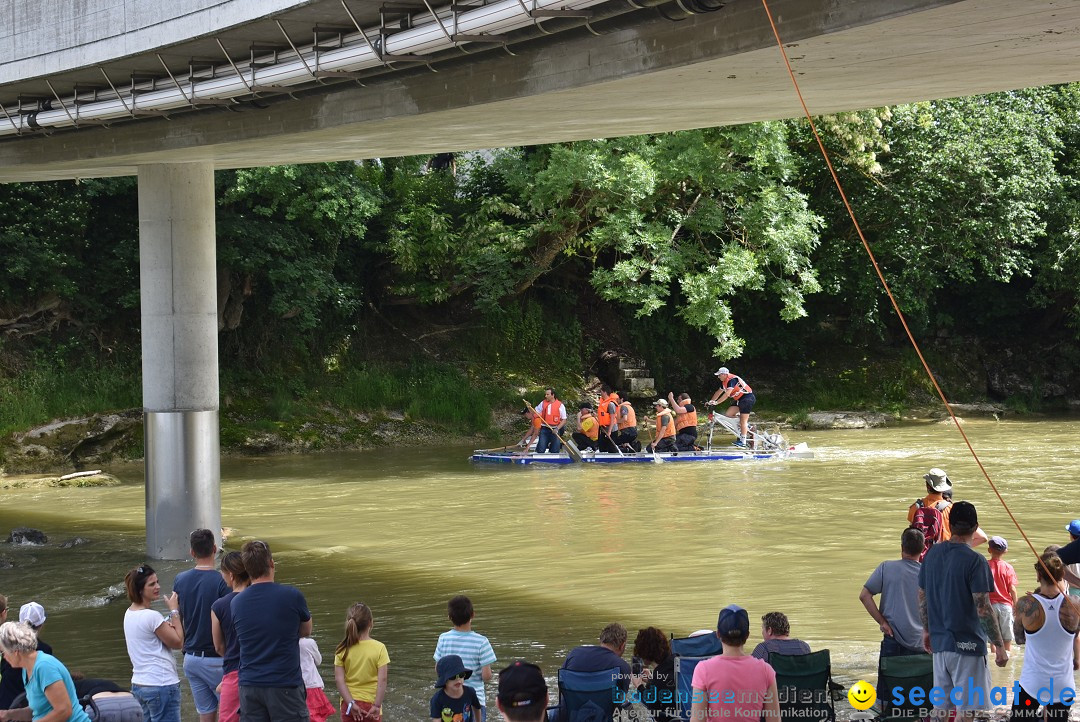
{"x":1029,"y":612}
{"x":1070,"y":614}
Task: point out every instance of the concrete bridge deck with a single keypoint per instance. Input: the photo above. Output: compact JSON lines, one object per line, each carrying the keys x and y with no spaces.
{"x":646,"y":73}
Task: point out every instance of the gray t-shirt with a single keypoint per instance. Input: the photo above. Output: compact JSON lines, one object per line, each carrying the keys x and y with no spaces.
{"x":897,"y":581}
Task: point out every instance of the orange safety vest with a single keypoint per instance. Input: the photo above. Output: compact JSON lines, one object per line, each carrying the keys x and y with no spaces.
{"x":603,"y":415}
{"x":630,"y":422}
{"x":590,"y":427}
{"x":740,"y":389}
{"x":687,"y":419}
{"x":536,"y":422}
{"x":551,"y":412}
{"x":669,"y":425}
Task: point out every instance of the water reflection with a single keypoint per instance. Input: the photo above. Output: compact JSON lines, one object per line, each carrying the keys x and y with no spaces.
{"x":550,"y":555}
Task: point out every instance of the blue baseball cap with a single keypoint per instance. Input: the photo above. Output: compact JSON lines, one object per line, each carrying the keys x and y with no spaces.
{"x":1074,"y":527}
{"x":733,"y":620}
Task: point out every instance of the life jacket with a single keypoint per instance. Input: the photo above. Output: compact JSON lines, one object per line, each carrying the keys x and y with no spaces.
{"x":687,"y":419}
{"x":668,"y":428}
{"x":929,"y":521}
{"x":551,"y":412}
{"x":590,"y":427}
{"x":537,"y":423}
{"x":739,"y":388}
{"x":603,"y":414}
{"x":630,"y":421}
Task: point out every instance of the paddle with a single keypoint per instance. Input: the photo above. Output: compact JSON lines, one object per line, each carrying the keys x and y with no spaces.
{"x":608,"y":435}
{"x":487,"y":451}
{"x":652,"y":442}
{"x":571,"y":450}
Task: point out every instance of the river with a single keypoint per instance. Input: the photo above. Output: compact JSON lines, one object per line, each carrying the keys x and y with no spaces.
{"x":551,"y":555}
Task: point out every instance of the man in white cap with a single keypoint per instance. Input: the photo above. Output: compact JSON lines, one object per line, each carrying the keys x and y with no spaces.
{"x":664,"y":435}
{"x":11,"y":681}
{"x":734,"y":389}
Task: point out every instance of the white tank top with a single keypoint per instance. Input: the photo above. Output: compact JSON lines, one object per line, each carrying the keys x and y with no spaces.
{"x":1048,"y":658}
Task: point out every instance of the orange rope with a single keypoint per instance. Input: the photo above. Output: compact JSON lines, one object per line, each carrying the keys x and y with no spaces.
{"x":885,"y":284}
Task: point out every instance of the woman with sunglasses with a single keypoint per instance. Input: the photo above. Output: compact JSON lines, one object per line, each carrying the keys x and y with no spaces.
{"x":149,"y":637}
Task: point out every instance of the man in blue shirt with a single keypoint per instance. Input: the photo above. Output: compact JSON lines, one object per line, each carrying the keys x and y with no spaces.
{"x":954,"y":604}
{"x":606,"y":655}
{"x":269,"y":619}
{"x":197,"y":589}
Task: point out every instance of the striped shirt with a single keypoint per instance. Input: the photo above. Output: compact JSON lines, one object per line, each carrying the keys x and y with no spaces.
{"x":475,"y":652}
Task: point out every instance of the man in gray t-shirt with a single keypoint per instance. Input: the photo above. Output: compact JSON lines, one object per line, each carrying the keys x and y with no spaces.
{"x":897,"y":581}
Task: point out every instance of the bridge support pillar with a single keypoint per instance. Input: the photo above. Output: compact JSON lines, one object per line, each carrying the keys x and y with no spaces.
{"x":178,"y":291}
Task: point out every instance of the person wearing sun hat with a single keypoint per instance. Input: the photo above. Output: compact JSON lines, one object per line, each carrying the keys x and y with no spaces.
{"x":454,"y":702}
{"x":523,"y":693}
{"x":937,"y":483}
{"x":1072,"y":568}
{"x":751,"y":680}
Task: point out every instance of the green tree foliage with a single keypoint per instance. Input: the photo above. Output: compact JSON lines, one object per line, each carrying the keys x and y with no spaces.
{"x":957,"y":210}
{"x":690,"y":219}
{"x":281,"y":232}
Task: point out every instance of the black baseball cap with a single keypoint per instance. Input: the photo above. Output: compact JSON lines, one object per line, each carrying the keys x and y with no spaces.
{"x":522,"y":684}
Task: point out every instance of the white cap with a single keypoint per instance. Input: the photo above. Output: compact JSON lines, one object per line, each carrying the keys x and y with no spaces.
{"x":33,"y":614}
{"x":723,"y":371}
{"x":660,"y":402}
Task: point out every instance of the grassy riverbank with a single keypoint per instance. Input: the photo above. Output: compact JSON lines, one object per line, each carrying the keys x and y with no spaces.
{"x":351,"y":404}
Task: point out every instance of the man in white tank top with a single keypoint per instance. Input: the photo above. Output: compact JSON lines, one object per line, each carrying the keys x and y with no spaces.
{"x":1050,"y":621}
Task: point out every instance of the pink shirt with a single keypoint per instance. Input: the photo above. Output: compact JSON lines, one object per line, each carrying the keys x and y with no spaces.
{"x":1004,"y":577}
{"x":734,"y":687}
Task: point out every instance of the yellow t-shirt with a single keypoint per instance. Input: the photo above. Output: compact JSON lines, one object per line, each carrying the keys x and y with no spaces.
{"x":361,"y":667}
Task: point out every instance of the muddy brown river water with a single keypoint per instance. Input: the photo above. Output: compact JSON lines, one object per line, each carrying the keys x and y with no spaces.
{"x":551,"y":555}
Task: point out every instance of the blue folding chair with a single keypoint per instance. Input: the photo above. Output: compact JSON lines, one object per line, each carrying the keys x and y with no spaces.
{"x":588,"y":695}
{"x":688,"y":652}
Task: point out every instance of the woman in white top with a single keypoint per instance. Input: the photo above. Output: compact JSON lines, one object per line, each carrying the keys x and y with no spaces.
{"x":1050,"y":620}
{"x":149,"y":638}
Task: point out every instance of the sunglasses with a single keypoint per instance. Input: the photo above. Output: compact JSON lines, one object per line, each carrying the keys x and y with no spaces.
{"x":459,"y":676}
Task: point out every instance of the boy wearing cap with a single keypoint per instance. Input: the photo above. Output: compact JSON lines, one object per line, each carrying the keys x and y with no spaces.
{"x":454,"y":702}
{"x":1072,"y":571}
{"x":734,"y":685}
{"x":1003,"y":598}
{"x":467,"y":645}
{"x":958,"y":621}
{"x":523,"y":693}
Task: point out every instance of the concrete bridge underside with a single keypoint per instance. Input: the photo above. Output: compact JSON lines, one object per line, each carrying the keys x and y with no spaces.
{"x":645,"y":74}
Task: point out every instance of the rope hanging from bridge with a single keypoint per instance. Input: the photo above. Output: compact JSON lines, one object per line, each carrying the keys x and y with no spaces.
{"x":885,"y":284}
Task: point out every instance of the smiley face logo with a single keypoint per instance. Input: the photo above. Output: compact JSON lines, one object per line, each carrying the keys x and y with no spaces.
{"x":862,"y":695}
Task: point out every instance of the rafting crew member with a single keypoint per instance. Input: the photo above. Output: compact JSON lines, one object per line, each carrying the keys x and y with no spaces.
{"x":686,"y":422}
{"x":742,"y":400}
{"x":664,"y":436}
{"x":532,"y":434}
{"x":606,"y":415}
{"x":626,"y":422}
{"x":588,"y":433}
{"x":553,"y":414}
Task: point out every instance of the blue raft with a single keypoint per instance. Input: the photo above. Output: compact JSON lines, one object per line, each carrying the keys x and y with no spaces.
{"x":800,"y":451}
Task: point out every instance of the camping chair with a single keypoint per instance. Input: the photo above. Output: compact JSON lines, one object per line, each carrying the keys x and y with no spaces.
{"x":906,"y":672}
{"x":588,"y":695}
{"x":803,"y":683}
{"x":688,"y":652}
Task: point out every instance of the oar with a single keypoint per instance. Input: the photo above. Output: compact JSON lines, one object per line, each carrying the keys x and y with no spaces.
{"x":571,"y":451}
{"x":712,"y":421}
{"x":487,"y":451}
{"x":652,"y":442}
{"x":608,"y":435}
